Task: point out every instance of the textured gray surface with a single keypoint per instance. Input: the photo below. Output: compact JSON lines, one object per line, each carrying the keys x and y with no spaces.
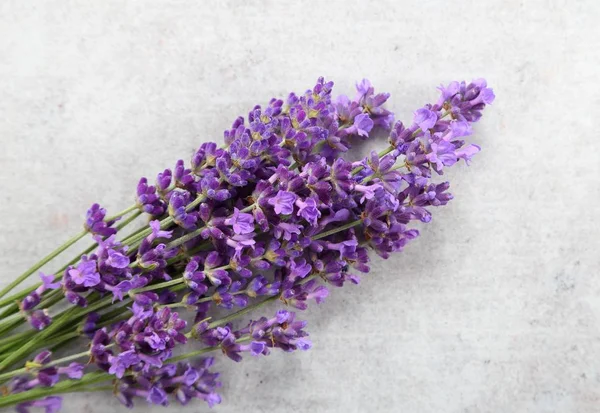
{"x":494,"y":309}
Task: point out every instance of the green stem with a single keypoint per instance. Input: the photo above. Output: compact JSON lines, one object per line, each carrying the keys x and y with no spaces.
{"x":56,"y":362}
{"x":139,"y":236}
{"x":129,"y":220}
{"x":19,"y":296}
{"x":25,"y":349}
{"x":93,"y":388}
{"x":189,"y":236}
{"x":336,"y":230}
{"x":15,"y":337}
{"x":55,"y":343}
{"x":6,"y":325}
{"x":122,"y":213}
{"x":242,"y":312}
{"x":190,"y":253}
{"x":13,"y":308}
{"x":135,"y":240}
{"x":64,"y":386}
{"x":380,"y":154}
{"x":41,"y":263}
{"x":69,"y":316}
{"x":5,"y":328}
{"x":54,"y":297}
{"x":113,"y":320}
{"x":156,"y":286}
{"x":193,"y":354}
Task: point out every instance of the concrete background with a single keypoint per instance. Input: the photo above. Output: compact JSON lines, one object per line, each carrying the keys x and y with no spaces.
{"x":494,"y":309}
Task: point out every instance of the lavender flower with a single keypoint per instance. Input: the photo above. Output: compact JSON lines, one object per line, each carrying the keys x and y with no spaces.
{"x":178,"y":202}
{"x":241,"y":223}
{"x":95,"y":223}
{"x":40,"y":375}
{"x":148,"y":200}
{"x":33,"y":299}
{"x":182,"y":381}
{"x":86,"y":273}
{"x":51,"y":404}
{"x":283,"y":202}
{"x":145,"y":340}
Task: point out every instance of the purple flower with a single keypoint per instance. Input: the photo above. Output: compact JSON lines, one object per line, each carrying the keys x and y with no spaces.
{"x":281,"y":331}
{"x":466,"y":101}
{"x":363,"y":88}
{"x":362,"y":125}
{"x":73,"y":371}
{"x":117,"y":260}
{"x":33,"y":299}
{"x":163,"y":182}
{"x":95,"y":223}
{"x":75,"y":298}
{"x":460,"y":128}
{"x":183,"y":176}
{"x":43,"y":357}
{"x":145,"y":340}
{"x":183,"y":381}
{"x":240,"y":243}
{"x":298,"y":269}
{"x":148,"y":200}
{"x":218,"y":277}
{"x":425,"y":118}
{"x":241,"y":223}
{"x":39,"y":319}
{"x":157,"y":395}
{"x":178,"y":203}
{"x":367,"y":192}
{"x":157,"y":232}
{"x":441,"y":154}
{"x":30,"y":301}
{"x":467,"y":152}
{"x":298,"y":295}
{"x":85,"y":274}
{"x":287,"y":231}
{"x":194,"y":279}
{"x":283,"y":202}
{"x":51,"y":404}
{"x":308,"y":210}
{"x":122,"y":362}
{"x":211,"y":187}
{"x":90,"y":325}
{"x":48,"y":282}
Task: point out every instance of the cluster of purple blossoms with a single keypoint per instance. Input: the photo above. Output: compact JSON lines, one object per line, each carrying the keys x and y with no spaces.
{"x":274,"y":213}
{"x":282,"y":332}
{"x":182,"y":381}
{"x":40,"y":374}
{"x":95,"y":222}
{"x":38,"y":318}
{"x":145,"y":340}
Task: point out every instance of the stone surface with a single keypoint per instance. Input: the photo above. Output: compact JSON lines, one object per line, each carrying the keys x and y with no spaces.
{"x":494,"y":309}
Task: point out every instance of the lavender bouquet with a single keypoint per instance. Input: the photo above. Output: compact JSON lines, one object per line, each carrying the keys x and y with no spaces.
{"x":274,"y":214}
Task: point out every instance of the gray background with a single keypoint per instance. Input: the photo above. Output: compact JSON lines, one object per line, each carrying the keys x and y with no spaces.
{"x":493,"y":309}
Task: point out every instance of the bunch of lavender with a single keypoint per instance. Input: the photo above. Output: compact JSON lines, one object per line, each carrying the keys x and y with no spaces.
{"x":276,"y":213}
